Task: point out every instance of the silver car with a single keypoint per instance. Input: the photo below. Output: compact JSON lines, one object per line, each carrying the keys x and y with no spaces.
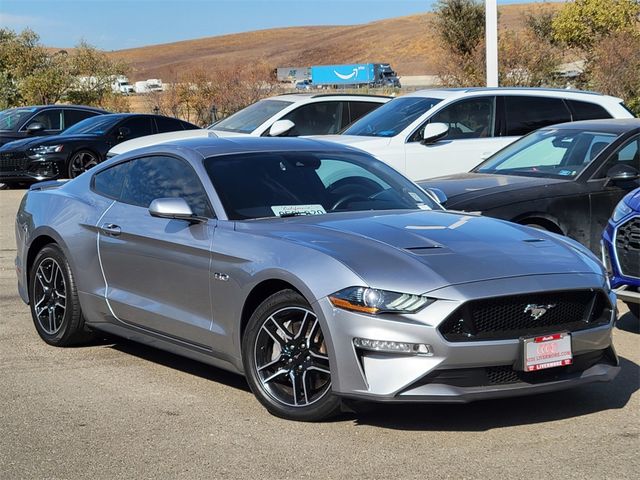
{"x":318,"y":272}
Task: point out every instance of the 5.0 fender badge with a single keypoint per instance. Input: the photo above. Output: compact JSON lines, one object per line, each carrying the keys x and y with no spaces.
{"x":538,"y":310}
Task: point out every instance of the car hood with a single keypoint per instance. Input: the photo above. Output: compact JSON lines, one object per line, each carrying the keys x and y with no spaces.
{"x":26,"y":143}
{"x":423,"y":251}
{"x":470,"y":186}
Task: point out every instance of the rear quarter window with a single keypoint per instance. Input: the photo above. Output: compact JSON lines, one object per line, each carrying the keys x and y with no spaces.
{"x":587,"y":110}
{"x":109,"y":182}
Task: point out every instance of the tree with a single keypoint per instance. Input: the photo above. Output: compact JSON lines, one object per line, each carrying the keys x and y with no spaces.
{"x":460,"y":24}
{"x":583,"y":23}
{"x":615,"y":68}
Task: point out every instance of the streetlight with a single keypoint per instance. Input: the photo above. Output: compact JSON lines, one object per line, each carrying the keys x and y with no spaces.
{"x":491,"y":40}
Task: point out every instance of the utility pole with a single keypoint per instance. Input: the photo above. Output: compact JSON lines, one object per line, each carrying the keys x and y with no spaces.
{"x":491,"y":40}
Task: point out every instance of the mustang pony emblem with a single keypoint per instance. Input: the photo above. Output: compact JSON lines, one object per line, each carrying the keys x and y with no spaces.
{"x":538,"y":310}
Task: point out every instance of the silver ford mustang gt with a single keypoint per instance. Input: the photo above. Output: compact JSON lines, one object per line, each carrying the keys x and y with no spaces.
{"x":316,"y":271}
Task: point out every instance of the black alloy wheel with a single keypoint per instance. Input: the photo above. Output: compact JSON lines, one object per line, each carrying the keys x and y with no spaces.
{"x":286,"y":361}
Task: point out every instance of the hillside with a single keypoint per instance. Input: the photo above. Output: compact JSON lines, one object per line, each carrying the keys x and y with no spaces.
{"x":408,"y":43}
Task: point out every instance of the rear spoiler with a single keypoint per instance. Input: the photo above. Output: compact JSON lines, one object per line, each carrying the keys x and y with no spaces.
{"x":48,"y":184}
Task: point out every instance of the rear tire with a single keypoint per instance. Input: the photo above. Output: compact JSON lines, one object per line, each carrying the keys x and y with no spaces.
{"x":53,"y":299}
{"x":285,"y":359}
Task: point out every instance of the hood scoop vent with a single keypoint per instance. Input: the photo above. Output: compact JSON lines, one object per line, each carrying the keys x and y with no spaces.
{"x":429,"y":250}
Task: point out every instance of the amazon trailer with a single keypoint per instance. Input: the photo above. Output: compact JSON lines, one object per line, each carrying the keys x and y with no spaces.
{"x":293,"y":74}
{"x":354,"y":75}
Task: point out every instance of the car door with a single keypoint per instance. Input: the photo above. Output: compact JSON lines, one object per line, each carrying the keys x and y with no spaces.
{"x":50,"y":118}
{"x":317,"y":118}
{"x":606,"y":194}
{"x":471,"y":138}
{"x":157,"y":269}
{"x":130,"y":128}
{"x":75,"y":115}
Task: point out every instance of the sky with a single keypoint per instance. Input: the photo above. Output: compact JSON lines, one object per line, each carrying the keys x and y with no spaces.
{"x":118,"y":24}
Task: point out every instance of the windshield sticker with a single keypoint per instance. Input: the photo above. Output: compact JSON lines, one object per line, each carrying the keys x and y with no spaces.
{"x":424,"y":207}
{"x":416,"y":197}
{"x":567,"y":173}
{"x":295,"y":210}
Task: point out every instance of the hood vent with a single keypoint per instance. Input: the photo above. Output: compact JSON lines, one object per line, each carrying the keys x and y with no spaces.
{"x":423,"y":250}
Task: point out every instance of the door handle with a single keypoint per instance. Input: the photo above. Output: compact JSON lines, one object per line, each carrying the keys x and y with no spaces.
{"x":111,"y":229}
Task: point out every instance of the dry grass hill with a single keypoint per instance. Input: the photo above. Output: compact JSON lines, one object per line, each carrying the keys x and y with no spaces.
{"x":408,"y":43}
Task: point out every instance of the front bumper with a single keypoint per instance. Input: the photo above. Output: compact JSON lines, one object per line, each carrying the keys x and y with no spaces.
{"x":18,"y":167}
{"x":458,"y":371}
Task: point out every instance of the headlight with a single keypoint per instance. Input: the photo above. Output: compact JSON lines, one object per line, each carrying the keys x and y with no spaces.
{"x":374,"y":301}
{"x":621,"y":211}
{"x":36,"y":152}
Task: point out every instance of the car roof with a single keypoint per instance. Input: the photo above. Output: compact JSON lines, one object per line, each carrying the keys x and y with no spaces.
{"x":69,"y":107}
{"x":214,"y":146}
{"x":300,"y":97}
{"x":444,"y":93}
{"x":608,"y":125}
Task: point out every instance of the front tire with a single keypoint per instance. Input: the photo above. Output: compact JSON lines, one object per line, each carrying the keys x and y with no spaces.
{"x":53,"y":299}
{"x":285,"y":359}
{"x":80,"y":162}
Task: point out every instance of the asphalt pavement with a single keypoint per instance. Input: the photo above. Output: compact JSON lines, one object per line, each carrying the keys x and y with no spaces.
{"x":116,"y":409}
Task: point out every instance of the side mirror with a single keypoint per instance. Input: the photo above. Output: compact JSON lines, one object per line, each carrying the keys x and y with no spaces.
{"x":434,"y":132}
{"x":123,"y":132}
{"x":437,"y":194}
{"x":621,"y":174}
{"x":280,"y":127}
{"x":174,"y":208}
{"x":35,"y":127}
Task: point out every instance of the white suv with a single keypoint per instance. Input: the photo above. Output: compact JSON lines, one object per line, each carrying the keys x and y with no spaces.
{"x":465,"y":126}
{"x":282,"y":115}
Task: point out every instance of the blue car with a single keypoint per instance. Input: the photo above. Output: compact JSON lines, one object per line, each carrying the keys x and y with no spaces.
{"x":621,"y":250}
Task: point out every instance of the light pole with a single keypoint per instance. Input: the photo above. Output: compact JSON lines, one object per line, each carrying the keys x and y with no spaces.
{"x":491,"y":40}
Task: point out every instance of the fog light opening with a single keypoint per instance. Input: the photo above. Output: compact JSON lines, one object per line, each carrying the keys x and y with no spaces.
{"x":387,"y":346}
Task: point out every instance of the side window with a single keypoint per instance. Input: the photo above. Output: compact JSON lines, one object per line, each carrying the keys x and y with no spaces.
{"x":627,"y":154}
{"x":587,"y":110}
{"x":526,"y":114}
{"x":49,"y":118}
{"x":472,"y":118}
{"x":71,"y":117}
{"x":163,"y":177}
{"x":109,"y":182}
{"x":166,"y":124}
{"x":138,"y":127}
{"x":359,"y":109}
{"x":320,"y":118}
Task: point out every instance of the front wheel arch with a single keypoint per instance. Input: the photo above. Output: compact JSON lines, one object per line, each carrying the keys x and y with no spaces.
{"x":541,"y":221}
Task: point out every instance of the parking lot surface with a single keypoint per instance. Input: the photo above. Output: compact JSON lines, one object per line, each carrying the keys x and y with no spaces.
{"x":116,"y":409}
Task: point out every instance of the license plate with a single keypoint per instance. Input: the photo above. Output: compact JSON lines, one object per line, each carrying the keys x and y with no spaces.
{"x":547,"y":351}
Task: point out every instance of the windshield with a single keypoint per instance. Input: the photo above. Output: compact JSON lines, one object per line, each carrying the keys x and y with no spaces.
{"x":392,"y":117}
{"x":250,"y":118}
{"x":94,"y":125}
{"x":548,"y":153}
{"x":10,"y":120}
{"x":283,"y":184}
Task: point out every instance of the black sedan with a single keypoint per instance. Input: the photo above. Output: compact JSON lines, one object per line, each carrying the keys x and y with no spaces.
{"x":565,"y":178}
{"x":79,"y":148}
{"x":29,"y":122}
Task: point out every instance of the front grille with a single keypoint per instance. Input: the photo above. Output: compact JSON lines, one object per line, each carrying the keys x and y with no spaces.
{"x":628,"y":247}
{"x":512,"y":317}
{"x":12,"y":162}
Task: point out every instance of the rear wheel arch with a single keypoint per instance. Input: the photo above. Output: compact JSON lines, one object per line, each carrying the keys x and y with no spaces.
{"x":36,"y":246}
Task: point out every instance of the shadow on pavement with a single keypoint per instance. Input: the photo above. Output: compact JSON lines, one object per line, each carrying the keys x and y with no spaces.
{"x":490,"y":414}
{"x":629,"y":323}
{"x":183,"y":364}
